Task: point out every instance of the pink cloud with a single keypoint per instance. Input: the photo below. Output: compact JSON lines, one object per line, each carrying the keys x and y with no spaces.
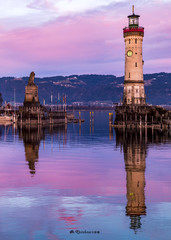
{"x":79,"y":40}
{"x":84,"y":44}
{"x":43,"y":4}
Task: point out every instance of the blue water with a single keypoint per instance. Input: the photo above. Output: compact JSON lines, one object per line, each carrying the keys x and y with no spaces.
{"x":84,"y":182}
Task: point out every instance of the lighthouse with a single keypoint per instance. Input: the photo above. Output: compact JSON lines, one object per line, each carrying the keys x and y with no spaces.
{"x":133,"y":83}
{"x":134,"y":112}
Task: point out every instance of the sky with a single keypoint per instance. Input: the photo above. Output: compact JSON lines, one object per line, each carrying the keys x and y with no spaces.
{"x":64,"y":37}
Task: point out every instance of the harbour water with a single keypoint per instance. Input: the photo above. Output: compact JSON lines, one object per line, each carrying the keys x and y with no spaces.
{"x":85,"y":182}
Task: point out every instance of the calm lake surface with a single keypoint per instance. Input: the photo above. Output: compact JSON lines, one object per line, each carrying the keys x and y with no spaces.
{"x":58,"y":183}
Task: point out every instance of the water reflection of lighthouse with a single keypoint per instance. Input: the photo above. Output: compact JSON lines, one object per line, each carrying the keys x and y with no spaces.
{"x":134,"y":148}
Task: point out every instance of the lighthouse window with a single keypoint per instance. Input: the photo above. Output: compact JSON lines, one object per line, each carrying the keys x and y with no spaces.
{"x":129,"y":41}
{"x":129,"y":75}
{"x":136,"y":40}
{"x":136,"y":64}
{"x":136,"y":90}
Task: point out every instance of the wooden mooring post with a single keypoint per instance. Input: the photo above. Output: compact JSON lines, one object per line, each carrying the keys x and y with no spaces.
{"x":110,"y":119}
{"x":80,"y":117}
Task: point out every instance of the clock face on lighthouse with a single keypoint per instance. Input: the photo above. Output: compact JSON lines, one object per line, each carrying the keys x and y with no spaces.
{"x":129,"y":53}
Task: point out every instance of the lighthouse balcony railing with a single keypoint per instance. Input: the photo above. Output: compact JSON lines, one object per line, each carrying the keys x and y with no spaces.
{"x":135,"y":29}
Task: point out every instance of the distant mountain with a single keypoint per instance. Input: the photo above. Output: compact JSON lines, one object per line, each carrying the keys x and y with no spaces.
{"x":86,"y":88}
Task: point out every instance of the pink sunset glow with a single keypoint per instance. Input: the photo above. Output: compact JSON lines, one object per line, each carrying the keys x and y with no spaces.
{"x":67,"y":174}
{"x":87,"y":177}
{"x":51,"y":39}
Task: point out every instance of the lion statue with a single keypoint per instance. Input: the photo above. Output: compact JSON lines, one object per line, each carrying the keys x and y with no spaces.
{"x":31,"y":78}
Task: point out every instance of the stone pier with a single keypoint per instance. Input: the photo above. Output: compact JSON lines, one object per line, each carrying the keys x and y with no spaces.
{"x":134,"y":116}
{"x":33,"y":113}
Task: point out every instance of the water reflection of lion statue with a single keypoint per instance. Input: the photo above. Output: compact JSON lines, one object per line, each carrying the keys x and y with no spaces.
{"x":31,"y":78}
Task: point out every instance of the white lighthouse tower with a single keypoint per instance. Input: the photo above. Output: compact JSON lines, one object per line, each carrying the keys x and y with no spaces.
{"x":133,"y":84}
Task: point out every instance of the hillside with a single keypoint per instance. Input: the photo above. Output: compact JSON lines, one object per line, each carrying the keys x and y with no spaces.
{"x":87,"y":88}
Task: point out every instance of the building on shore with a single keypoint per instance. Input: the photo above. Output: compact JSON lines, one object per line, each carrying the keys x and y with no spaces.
{"x":134,"y":111}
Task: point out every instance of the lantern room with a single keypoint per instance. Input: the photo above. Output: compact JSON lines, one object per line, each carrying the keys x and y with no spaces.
{"x":133,"y":19}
